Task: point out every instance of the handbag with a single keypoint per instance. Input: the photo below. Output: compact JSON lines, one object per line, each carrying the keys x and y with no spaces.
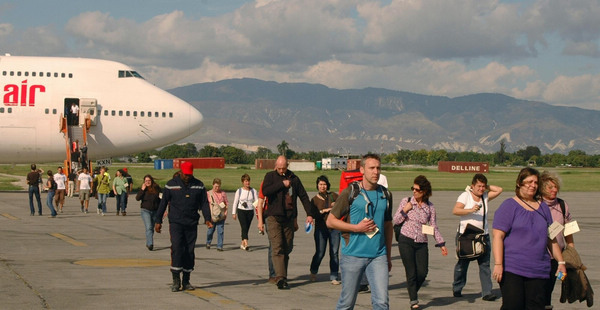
{"x":217,"y":213}
{"x":472,"y":243}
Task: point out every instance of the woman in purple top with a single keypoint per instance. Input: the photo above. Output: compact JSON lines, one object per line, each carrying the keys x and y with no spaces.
{"x":417,"y":216}
{"x":520,"y":245}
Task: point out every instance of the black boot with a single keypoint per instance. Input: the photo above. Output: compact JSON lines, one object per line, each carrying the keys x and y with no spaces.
{"x":186,"y":282}
{"x":176,"y":282}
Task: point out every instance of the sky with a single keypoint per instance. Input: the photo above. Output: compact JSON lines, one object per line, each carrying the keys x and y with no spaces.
{"x":540,"y":50}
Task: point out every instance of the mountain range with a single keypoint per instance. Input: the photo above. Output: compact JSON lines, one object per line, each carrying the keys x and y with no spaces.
{"x":249,"y":113}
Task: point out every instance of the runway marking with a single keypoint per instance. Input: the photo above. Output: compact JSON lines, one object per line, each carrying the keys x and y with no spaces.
{"x":122,"y":262}
{"x":10,"y":217}
{"x":68,"y":239}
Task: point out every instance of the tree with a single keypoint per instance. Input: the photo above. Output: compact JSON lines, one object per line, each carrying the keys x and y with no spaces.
{"x":263,"y":152}
{"x":209,"y":151}
{"x":143,"y":157}
{"x":233,"y":155}
{"x":283,"y":147}
{"x":501,"y":155}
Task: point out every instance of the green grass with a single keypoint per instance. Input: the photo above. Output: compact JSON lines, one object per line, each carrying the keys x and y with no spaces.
{"x":399,"y":178}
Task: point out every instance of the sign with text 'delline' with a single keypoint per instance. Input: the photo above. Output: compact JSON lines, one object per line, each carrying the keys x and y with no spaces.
{"x":463,"y":167}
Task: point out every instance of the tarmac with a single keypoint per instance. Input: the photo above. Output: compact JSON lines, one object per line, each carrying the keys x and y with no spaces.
{"x":88,"y":261}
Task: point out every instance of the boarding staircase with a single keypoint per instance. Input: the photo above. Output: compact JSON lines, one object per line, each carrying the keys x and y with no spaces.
{"x":73,"y":133}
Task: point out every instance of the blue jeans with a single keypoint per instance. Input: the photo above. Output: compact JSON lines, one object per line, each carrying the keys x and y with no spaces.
{"x":353,"y":269}
{"x":148,"y":218}
{"x":49,"y":200}
{"x":462,"y":266}
{"x":220,"y":226}
{"x":102,"y":202}
{"x":120,"y":198}
{"x":35,"y":190}
{"x":322,"y":234}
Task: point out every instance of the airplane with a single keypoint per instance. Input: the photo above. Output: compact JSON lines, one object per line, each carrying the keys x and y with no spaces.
{"x":117,"y":112}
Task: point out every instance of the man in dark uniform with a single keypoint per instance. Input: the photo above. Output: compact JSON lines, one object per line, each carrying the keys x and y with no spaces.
{"x":186,"y":196}
{"x":282,"y":188}
{"x":33,"y":180}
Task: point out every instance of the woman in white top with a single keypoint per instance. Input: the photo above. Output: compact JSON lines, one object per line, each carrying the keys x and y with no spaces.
{"x":472,"y":207}
{"x":243,"y":208}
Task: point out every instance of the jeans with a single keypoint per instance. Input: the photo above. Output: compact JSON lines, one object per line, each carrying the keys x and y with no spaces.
{"x":322,"y":234}
{"x":415,"y":257}
{"x":462,"y":266}
{"x":120,"y":198}
{"x":353,"y":269}
{"x":35,"y":190}
{"x":220,"y":226}
{"x":148,"y":218}
{"x":102,"y":202}
{"x":49,"y":203}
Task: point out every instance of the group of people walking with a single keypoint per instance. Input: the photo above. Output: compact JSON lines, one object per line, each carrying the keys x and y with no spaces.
{"x":527,"y":256}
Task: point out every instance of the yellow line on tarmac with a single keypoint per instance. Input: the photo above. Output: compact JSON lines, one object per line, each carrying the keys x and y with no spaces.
{"x":202,"y":293}
{"x":10,"y":217}
{"x":68,"y":239}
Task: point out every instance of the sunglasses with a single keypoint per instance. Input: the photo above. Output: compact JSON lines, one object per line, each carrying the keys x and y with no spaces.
{"x":412,"y":188}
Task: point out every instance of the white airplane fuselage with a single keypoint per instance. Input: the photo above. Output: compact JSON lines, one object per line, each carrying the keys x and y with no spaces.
{"x":129,"y":115}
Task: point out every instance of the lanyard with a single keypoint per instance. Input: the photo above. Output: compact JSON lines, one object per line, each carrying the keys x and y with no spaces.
{"x":536,"y":210}
{"x":370,"y":208}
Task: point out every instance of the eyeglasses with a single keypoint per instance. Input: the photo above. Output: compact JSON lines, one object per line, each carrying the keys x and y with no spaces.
{"x":412,"y":188}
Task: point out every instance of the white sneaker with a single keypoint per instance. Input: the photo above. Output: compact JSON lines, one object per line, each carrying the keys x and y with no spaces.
{"x":97,"y":211}
{"x":335,"y":282}
{"x":102,"y":213}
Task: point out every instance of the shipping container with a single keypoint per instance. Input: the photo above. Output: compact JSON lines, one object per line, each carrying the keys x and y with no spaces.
{"x":353,"y":164}
{"x":268,"y":164}
{"x":160,"y":164}
{"x":463,"y":167}
{"x":333,"y":163}
{"x":301,"y":165}
{"x":201,"y":163}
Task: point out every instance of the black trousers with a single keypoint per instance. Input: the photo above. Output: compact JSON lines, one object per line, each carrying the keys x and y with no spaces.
{"x":520,"y":293}
{"x":415,"y":258}
{"x":245,"y":217}
{"x":183,"y":242}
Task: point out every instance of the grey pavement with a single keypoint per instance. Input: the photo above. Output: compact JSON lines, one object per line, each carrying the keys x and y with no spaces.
{"x":86,"y":261}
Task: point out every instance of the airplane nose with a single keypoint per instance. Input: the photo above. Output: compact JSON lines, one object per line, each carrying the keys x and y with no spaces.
{"x":195,"y":119}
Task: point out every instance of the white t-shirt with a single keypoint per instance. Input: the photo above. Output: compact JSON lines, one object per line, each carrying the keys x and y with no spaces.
{"x":382,"y":181}
{"x":242,"y":195}
{"x":84,"y":181}
{"x":60,"y":180}
{"x":475,"y":219}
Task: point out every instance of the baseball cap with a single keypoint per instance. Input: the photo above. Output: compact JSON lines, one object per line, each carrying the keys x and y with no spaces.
{"x":187,"y":168}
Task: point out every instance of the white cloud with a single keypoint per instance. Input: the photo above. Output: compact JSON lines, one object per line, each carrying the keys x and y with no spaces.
{"x":425,"y":46}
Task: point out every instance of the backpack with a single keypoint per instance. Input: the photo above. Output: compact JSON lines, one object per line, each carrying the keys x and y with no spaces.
{"x":398,"y":227}
{"x":217,"y":213}
{"x":355,"y":191}
{"x":562,"y":206}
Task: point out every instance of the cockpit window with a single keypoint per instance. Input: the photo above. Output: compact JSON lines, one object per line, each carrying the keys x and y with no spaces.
{"x":127,"y":74}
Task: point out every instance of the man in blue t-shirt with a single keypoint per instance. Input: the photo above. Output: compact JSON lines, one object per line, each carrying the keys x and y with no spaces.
{"x":365,"y":221}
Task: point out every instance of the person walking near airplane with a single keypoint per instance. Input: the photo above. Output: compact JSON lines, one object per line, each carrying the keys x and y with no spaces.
{"x":33,"y":178}
{"x":363,"y":213}
{"x":186,"y":196}
{"x":61,"y":181}
{"x":119,"y":187}
{"x":282,"y":188}
{"x":51,"y":187}
{"x":84,"y":185}
{"x":129,"y":179}
{"x":103,"y":188}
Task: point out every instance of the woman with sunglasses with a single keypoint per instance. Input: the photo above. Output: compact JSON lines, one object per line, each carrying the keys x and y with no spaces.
{"x":417,"y":216}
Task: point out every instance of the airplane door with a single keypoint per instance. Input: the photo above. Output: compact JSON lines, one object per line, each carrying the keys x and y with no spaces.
{"x":88,"y":106}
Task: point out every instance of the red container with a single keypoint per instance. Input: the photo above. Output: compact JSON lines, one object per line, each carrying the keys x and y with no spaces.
{"x":353,"y":164}
{"x":268,"y":164}
{"x":463,"y":167}
{"x":201,"y":163}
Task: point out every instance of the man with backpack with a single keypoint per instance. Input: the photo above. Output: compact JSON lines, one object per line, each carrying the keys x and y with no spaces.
{"x":363,"y":213}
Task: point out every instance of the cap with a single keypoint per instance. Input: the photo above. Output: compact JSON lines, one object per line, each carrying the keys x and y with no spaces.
{"x":125,"y":169}
{"x":187,"y":167}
